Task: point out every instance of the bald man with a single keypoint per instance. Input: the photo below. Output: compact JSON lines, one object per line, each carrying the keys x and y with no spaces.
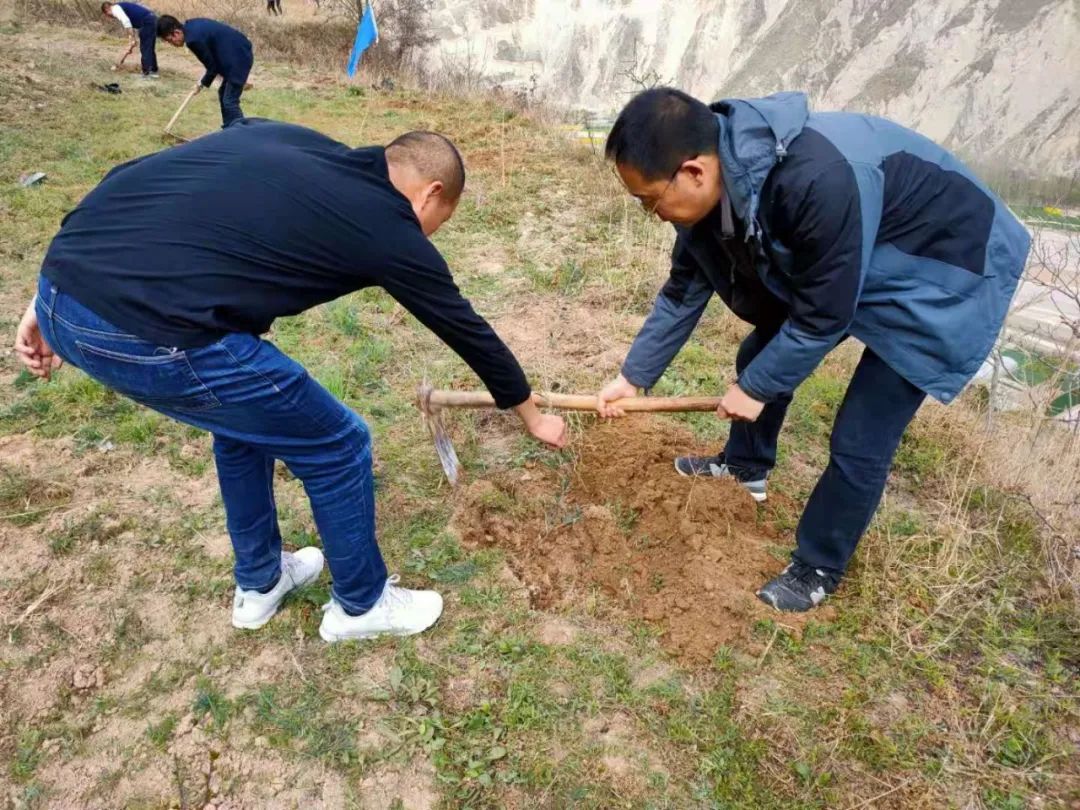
{"x":162,"y":280}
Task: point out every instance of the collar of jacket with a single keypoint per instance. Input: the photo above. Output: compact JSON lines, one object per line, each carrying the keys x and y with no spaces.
{"x":753,"y":137}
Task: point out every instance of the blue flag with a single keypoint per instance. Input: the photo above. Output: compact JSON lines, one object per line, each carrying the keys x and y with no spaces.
{"x":367,"y":34}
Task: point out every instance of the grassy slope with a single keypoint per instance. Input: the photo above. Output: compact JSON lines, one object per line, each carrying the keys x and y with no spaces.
{"x":948,"y":675}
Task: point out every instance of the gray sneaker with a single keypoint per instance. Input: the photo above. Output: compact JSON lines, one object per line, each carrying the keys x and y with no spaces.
{"x":716,"y":467}
{"x":798,"y":588}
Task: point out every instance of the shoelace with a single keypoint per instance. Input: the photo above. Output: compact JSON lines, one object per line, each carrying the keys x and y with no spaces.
{"x":394,"y":596}
{"x":289,"y":565}
{"x":807,"y":574}
{"x":738,"y":473}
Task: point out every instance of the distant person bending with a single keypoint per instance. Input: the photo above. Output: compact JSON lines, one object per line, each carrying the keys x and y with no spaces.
{"x":138,"y":18}
{"x":223,"y":51}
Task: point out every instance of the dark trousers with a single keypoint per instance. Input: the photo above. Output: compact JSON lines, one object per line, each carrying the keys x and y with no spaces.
{"x":877,"y":408}
{"x":229,"y":96}
{"x":147,"y":43}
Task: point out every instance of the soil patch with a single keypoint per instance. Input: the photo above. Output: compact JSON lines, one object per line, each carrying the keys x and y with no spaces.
{"x":686,"y":555}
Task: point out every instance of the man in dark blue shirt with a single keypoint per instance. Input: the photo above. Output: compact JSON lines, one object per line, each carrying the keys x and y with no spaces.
{"x":162,"y":279}
{"x":134,"y":17}
{"x":223,"y":51}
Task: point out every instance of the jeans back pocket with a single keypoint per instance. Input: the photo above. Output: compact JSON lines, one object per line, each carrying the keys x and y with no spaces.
{"x":162,"y":379}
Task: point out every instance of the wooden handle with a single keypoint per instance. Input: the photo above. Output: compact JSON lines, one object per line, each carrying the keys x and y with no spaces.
{"x":184,"y":103}
{"x":578,"y":402}
{"x":587,"y":402}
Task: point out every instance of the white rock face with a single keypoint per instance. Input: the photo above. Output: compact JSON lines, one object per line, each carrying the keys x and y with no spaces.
{"x":997,"y":80}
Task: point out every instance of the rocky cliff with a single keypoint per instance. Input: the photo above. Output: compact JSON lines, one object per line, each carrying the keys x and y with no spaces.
{"x":998,"y":80}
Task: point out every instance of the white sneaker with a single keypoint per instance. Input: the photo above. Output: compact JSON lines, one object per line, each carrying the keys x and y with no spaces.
{"x":399,"y":612}
{"x":251,"y":609}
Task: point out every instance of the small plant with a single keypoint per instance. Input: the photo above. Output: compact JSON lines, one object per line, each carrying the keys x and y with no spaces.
{"x":160,"y":733}
{"x":626,"y":518}
{"x":210,"y":701}
{"x":27,"y":754}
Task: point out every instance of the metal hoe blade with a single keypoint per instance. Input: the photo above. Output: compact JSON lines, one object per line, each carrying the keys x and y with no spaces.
{"x":443,"y":446}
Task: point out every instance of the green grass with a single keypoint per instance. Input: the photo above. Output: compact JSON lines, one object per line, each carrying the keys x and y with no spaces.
{"x":211,"y":706}
{"x":1047,"y":216}
{"x":27,"y":755}
{"x":80,"y":532}
{"x":161,"y":733}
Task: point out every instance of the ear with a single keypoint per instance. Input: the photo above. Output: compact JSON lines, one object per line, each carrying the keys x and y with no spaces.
{"x":694,"y":169}
{"x":433,"y":193}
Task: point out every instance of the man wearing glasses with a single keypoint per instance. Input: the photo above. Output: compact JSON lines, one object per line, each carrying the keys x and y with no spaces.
{"x":813,"y":227}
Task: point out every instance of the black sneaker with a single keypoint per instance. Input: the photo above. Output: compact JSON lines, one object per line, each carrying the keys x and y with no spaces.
{"x":716,"y":467}
{"x":799,"y":588}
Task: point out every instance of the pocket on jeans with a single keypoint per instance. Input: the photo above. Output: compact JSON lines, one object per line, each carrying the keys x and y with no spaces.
{"x":163,"y":380}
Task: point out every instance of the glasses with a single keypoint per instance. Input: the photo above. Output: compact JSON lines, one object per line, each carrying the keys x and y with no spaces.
{"x":649,"y":207}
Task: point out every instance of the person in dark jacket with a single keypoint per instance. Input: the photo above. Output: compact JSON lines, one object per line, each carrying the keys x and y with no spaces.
{"x":223,"y":51}
{"x":161,"y":281}
{"x":813,"y":227}
{"x":134,"y":17}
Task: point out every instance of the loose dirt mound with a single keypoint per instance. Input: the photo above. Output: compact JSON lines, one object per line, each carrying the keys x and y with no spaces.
{"x":684,"y":554}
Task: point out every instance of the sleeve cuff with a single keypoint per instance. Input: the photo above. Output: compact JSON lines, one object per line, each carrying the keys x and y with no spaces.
{"x":753,"y":392}
{"x":633,"y":378}
{"x":505,"y":402}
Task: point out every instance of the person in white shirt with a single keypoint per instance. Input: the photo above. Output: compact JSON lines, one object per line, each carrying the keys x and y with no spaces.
{"x":137,"y":18}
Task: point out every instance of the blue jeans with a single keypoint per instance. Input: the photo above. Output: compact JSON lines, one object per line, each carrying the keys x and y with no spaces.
{"x":260,"y":405}
{"x":877,"y":408}
{"x":229,"y":97}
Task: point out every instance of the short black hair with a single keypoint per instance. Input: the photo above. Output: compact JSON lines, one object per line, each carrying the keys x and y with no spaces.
{"x":166,"y":24}
{"x":434,"y":156}
{"x":659,"y":129}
